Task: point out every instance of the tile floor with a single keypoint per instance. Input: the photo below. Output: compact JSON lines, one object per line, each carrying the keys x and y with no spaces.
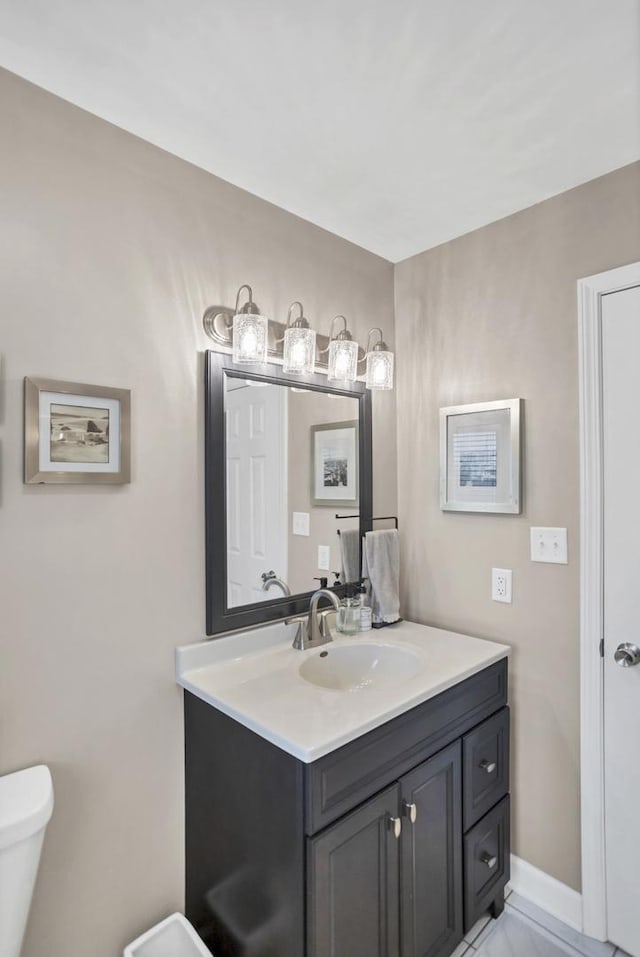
{"x":525,"y":930}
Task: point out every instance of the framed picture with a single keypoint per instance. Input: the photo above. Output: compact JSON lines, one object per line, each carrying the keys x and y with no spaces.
{"x":75,"y":433}
{"x":480,"y":457}
{"x":334,"y":464}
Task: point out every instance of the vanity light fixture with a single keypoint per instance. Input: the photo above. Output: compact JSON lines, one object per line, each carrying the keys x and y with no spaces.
{"x":250,"y":330}
{"x":343,"y":354}
{"x":299,"y":354}
{"x":379,"y":360}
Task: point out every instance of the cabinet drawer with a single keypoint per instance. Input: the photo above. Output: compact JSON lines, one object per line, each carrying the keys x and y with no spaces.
{"x":345,"y":778}
{"x":485,"y":764}
{"x":486,"y":862}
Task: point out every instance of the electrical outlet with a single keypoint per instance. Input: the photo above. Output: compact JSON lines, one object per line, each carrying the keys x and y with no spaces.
{"x":501,"y":583}
{"x":324,"y":558}
{"x":300,"y":523}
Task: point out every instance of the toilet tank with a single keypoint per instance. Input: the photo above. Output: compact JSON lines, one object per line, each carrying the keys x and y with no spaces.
{"x":26,"y":804}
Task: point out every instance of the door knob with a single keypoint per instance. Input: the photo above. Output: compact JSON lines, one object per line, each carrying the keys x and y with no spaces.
{"x":488,"y":766}
{"x":395,"y":824}
{"x":627,"y":655}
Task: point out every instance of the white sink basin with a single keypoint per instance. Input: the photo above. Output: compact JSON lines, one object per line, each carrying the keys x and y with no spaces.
{"x":359,"y":666}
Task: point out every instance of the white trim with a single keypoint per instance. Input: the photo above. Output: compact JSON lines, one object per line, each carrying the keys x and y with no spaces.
{"x":546,"y":892}
{"x":590,"y":293}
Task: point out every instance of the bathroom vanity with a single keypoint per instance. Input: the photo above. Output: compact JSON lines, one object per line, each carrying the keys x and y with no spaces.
{"x":349,"y":801}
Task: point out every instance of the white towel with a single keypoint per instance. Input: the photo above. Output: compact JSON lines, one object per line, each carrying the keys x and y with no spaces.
{"x":350,"y":553}
{"x":381,"y":565}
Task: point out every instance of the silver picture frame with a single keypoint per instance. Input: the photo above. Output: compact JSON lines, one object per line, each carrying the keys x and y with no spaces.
{"x":75,"y":433}
{"x":480,"y":457}
{"x":334,"y":449}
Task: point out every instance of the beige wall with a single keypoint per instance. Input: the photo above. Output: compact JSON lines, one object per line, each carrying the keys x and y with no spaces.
{"x":488,"y":316}
{"x":110,"y":251}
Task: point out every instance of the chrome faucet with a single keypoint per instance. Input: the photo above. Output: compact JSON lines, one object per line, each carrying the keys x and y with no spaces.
{"x":315,"y":631}
{"x":270,"y":578}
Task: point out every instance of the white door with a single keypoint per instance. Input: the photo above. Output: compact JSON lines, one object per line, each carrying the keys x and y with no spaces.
{"x":256,"y":448}
{"x":621,"y":439}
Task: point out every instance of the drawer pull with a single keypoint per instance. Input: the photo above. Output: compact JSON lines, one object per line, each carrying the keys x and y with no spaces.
{"x":410,"y":811}
{"x":488,"y":766}
{"x":488,"y":860}
{"x":395,"y":825}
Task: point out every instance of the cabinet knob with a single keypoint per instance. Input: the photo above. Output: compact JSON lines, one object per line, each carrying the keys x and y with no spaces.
{"x":488,"y":766}
{"x":410,"y":811}
{"x":395,"y":825}
{"x":489,"y":860}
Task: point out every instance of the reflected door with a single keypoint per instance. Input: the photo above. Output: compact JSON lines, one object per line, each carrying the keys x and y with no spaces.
{"x":256,"y":439}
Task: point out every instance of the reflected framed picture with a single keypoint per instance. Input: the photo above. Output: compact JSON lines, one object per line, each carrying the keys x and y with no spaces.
{"x":334,"y":464}
{"x":480,"y":457}
{"x":76,"y":433}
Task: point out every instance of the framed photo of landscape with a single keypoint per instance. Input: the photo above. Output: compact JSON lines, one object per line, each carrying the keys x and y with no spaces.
{"x":480,"y":457}
{"x":75,"y":433}
{"x":334,"y":464}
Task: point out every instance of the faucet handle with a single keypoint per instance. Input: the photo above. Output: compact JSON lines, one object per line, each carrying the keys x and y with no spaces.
{"x":325,"y":630}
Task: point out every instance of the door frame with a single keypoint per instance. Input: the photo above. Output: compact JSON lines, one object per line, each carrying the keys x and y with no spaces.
{"x":590,"y":293}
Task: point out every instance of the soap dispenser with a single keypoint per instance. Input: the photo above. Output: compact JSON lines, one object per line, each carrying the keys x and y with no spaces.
{"x":366,"y":615}
{"x":348,"y":622}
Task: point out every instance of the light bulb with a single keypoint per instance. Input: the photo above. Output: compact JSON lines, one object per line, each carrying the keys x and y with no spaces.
{"x":343,"y":360}
{"x":379,"y":369}
{"x":249,"y":337}
{"x":299,"y":350}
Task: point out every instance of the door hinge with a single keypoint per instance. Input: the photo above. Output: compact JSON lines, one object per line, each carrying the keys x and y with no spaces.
{"x":602,"y":647}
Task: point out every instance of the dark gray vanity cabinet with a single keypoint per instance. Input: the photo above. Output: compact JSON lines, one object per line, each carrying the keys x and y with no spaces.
{"x":391,"y":870}
{"x":391,"y":846}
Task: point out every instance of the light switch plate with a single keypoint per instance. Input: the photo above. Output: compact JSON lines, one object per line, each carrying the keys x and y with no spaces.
{"x":324,"y":558}
{"x":301,"y":523}
{"x":549,"y":545}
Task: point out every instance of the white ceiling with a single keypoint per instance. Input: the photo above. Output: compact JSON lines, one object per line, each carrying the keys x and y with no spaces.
{"x":397,"y":124}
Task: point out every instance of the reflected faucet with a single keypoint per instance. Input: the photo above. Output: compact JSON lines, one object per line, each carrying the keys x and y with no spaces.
{"x":270,"y":578}
{"x":316,"y":630}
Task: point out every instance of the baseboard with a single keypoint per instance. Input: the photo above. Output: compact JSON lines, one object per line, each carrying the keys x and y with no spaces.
{"x":546,"y":892}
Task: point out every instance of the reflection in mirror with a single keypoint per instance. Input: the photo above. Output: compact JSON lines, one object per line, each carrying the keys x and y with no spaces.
{"x":291,"y":464}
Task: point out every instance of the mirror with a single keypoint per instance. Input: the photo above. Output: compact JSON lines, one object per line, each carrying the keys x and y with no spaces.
{"x":284,"y":456}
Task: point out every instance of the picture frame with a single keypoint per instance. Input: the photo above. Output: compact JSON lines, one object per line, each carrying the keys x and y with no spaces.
{"x":76,"y":433}
{"x":480,"y":452}
{"x":335,"y":478}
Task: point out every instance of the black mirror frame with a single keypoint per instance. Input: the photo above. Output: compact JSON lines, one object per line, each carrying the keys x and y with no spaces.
{"x":220,"y":618}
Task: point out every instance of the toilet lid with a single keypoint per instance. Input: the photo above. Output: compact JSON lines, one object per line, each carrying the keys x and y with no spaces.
{"x":26,"y":803}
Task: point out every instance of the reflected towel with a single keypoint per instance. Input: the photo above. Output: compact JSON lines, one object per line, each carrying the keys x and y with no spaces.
{"x":381,"y":565}
{"x":350,"y":553}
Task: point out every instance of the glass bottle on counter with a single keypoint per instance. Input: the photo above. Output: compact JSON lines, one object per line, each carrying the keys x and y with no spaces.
{"x":366,"y":615}
{"x":348,"y":622}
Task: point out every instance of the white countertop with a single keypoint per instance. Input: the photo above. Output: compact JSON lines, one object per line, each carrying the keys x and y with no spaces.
{"x":254,"y":677}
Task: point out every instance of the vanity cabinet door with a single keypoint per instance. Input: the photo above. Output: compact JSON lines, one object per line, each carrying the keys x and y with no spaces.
{"x":352,"y":902}
{"x":431,"y":856}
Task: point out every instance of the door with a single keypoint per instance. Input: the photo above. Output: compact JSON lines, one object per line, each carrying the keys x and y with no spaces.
{"x":621,"y":441}
{"x":256,"y":450}
{"x":352,"y":904}
{"x":431,"y":853}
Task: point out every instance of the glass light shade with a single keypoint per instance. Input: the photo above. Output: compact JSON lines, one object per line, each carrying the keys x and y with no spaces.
{"x":379,"y":370}
{"x":343,"y":360}
{"x":249,"y":337}
{"x":299,"y":350}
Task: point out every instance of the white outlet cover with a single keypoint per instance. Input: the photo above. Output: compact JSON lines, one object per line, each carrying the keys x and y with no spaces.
{"x":324,"y":558}
{"x":501,"y":585}
{"x":549,"y":545}
{"x":301,"y":523}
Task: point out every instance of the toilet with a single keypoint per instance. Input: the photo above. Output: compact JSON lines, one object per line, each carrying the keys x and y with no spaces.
{"x":26,"y":804}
